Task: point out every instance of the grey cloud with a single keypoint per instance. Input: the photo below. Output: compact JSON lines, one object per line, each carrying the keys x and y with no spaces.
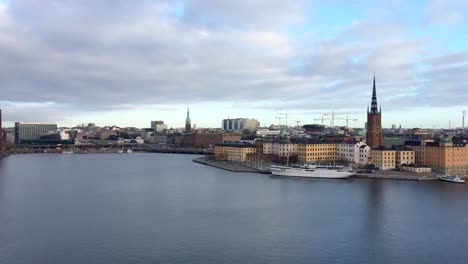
{"x":81,"y":54}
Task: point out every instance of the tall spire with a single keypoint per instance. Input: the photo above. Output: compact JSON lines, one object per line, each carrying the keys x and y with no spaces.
{"x":374,"y":99}
{"x":187,"y":120}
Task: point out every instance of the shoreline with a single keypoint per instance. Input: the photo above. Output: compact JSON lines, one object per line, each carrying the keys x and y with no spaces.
{"x":229,"y":166}
{"x":385,"y":175}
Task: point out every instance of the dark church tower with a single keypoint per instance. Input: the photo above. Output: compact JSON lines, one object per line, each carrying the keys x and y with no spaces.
{"x":374,"y":135}
{"x":2,"y":136}
{"x":188,"y":123}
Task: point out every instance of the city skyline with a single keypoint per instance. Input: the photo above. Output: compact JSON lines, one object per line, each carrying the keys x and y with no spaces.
{"x":80,"y":62}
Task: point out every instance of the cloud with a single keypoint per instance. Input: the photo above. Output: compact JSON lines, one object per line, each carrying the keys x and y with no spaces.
{"x":243,"y":13}
{"x":446,"y":12}
{"x":84,"y":55}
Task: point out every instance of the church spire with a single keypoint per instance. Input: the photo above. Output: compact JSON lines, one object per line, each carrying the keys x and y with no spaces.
{"x":188,"y":123}
{"x":374,"y":99}
{"x":187,"y":120}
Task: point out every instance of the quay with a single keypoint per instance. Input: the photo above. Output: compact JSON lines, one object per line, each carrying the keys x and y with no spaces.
{"x":397,"y":175}
{"x":229,"y":165}
{"x":393,"y":175}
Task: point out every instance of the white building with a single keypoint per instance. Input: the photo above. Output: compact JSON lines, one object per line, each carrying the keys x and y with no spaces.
{"x":266,"y":132}
{"x":239,"y":124}
{"x":285,"y":149}
{"x":267,"y":147}
{"x":363,"y":154}
{"x":357,"y":153}
{"x":158,"y":126}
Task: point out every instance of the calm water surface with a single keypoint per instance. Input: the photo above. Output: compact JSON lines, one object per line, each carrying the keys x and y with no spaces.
{"x":156,"y":208}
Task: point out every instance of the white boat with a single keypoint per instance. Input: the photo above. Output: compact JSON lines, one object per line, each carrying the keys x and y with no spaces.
{"x":67,"y":152}
{"x":129,"y":151}
{"x":120,"y":151}
{"x":449,"y":178}
{"x":313,"y":171}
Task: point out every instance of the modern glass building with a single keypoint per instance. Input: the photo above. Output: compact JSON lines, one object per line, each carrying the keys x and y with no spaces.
{"x":30,"y":132}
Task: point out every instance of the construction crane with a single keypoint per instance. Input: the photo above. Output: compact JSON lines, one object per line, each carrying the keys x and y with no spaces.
{"x":286,"y":115}
{"x":318,"y":119}
{"x":279,"y":120}
{"x":333,"y":118}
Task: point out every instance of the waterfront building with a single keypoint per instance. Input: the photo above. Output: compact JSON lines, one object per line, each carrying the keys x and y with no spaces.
{"x":233,"y":151}
{"x":416,"y":168}
{"x":25,"y":132}
{"x":374,"y":134}
{"x":240,"y":124}
{"x":355,"y":152}
{"x":391,"y":158}
{"x":317,"y":152}
{"x":404,"y":156}
{"x":383,"y":158}
{"x":282,"y":148}
{"x":363,"y":155}
{"x":445,"y":155}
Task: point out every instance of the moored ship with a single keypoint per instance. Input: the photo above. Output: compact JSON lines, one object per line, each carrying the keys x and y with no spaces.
{"x":449,"y":178}
{"x":313,"y":171}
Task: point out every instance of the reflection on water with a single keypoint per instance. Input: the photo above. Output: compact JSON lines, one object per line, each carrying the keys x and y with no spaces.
{"x":156,"y":208}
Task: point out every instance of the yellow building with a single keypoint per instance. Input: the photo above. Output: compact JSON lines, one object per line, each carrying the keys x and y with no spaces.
{"x":404,"y":157}
{"x":233,"y":151}
{"x":445,"y":156}
{"x":317,"y":152}
{"x":384,"y":159}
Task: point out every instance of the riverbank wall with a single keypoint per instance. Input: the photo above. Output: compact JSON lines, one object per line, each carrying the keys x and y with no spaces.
{"x":394,"y":175}
{"x":228,"y":165}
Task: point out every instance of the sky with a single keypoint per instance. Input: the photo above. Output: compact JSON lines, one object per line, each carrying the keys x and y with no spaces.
{"x":126,"y":63}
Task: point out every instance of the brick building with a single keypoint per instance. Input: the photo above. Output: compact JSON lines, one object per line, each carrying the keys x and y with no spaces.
{"x":374,"y":134}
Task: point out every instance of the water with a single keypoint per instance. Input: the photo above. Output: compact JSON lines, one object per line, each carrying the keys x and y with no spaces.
{"x":157,"y":208}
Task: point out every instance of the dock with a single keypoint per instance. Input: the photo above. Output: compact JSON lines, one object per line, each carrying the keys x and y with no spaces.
{"x":229,"y":165}
{"x":393,"y":175}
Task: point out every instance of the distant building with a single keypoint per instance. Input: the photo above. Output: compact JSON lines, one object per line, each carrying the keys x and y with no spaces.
{"x":158,"y":126}
{"x":374,"y":134}
{"x":146,"y":134}
{"x":240,"y":124}
{"x":25,"y":132}
{"x":416,"y":168}
{"x":267,"y":132}
{"x":202,"y":139}
{"x":160,"y":138}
